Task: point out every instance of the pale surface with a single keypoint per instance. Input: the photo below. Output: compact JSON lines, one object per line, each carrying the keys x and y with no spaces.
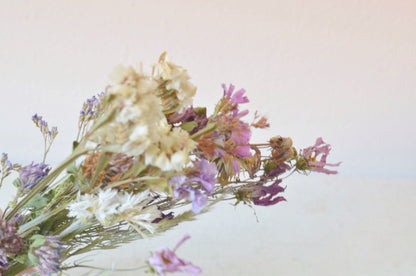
{"x":343,"y":70}
{"x":329,"y":226}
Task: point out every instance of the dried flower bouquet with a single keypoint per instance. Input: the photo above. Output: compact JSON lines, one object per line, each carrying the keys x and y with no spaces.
{"x":141,"y":152}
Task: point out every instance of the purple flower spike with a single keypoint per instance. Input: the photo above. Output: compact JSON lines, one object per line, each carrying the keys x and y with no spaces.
{"x":311,"y":155}
{"x":30,"y":175}
{"x":165,"y":260}
{"x":266,"y":195}
{"x":49,"y":255}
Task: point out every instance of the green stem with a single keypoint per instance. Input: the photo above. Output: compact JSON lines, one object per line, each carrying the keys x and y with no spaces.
{"x":17,"y":268}
{"x":47,"y":180}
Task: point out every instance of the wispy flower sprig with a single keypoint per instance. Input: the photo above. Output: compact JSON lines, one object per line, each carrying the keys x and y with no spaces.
{"x":48,"y":134}
{"x":145,"y":159}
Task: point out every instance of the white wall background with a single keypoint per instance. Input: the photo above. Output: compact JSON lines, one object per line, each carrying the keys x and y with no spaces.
{"x":343,"y":70}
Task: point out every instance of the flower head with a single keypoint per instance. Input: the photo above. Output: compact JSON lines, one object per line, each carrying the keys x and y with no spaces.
{"x":10,"y":242}
{"x":176,"y":91}
{"x":139,"y":126}
{"x":91,"y":107}
{"x":111,"y":206}
{"x":30,"y":175}
{"x":311,"y":155}
{"x":165,"y":260}
{"x":46,"y":253}
{"x":185,"y":191}
{"x":237,"y":97}
{"x":48,"y":134}
{"x":207,"y":175}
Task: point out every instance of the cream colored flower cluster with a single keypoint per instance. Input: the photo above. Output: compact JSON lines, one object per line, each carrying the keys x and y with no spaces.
{"x":176,"y":80}
{"x":140,"y":127}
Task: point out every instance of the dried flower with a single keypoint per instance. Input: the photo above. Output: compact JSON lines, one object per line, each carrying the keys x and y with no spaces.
{"x":10,"y":242}
{"x":30,"y":175}
{"x":176,"y":91}
{"x":165,"y":260}
{"x":311,"y":154}
{"x":237,"y":97}
{"x":110,"y":207}
{"x":91,"y":107}
{"x":140,"y":127}
{"x":112,"y":173}
{"x":207,"y":175}
{"x":267,"y":195}
{"x":46,"y":253}
{"x":187,"y":192}
{"x":282,"y":150}
{"x":49,"y":134}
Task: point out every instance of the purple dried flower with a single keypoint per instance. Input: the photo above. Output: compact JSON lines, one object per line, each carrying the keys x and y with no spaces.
{"x":198,"y":199}
{"x":311,"y":155}
{"x":44,"y":128}
{"x":6,"y":166}
{"x":91,"y":107}
{"x":186,"y":115}
{"x":10,"y":242}
{"x":49,"y":254}
{"x":165,"y":260}
{"x":5,"y":162}
{"x":207,"y":175}
{"x":267,"y":195}
{"x":189,"y":115}
{"x":30,"y":175}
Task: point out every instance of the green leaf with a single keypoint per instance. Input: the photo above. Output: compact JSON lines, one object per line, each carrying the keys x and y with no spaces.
{"x":37,"y":202}
{"x":33,"y":259}
{"x":20,"y":259}
{"x":189,"y":126}
{"x":16,"y":183}
{"x":209,"y":128}
{"x":75,"y":145}
{"x":200,"y":110}
{"x":38,"y":241}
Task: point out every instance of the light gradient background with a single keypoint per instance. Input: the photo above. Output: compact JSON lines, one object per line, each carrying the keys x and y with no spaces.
{"x":343,"y":70}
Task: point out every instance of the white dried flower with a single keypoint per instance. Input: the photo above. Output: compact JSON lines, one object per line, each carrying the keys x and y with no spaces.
{"x":110,"y":207}
{"x":140,"y":126}
{"x":175,"y":78}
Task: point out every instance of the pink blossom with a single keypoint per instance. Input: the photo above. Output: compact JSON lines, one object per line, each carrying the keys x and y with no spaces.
{"x":243,"y":151}
{"x":237,"y":97}
{"x":311,"y":155}
{"x":165,"y":260}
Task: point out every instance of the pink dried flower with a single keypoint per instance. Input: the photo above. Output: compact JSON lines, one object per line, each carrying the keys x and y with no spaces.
{"x":165,"y":260}
{"x":311,"y":155}
{"x":237,"y":97}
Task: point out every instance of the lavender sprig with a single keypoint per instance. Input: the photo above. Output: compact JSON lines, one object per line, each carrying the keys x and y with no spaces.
{"x":46,"y":254}
{"x":48,"y":134}
{"x":7,"y":167}
{"x":89,"y":112}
